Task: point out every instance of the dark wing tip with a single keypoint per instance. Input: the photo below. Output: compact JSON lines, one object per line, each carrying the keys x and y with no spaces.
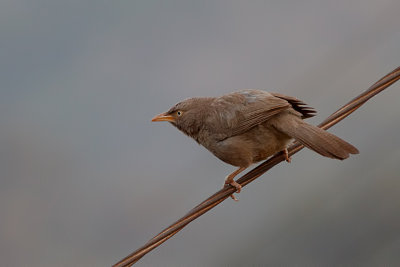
{"x":298,"y":105}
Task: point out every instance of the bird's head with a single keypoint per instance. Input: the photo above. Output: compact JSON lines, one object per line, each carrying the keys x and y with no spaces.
{"x":188,"y":115}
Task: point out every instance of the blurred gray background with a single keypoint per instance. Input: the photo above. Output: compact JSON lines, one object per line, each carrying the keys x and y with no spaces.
{"x":86,"y":178}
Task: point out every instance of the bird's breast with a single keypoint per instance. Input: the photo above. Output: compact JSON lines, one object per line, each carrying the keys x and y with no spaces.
{"x":255,"y":145}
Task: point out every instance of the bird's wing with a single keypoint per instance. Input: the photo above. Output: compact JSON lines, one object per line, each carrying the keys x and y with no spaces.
{"x":298,"y":105}
{"x":238,"y":112}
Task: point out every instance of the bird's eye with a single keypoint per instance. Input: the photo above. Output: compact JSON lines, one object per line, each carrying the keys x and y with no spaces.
{"x":179,"y":113}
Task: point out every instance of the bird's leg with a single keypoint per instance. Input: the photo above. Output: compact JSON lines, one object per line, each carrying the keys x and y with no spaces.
{"x":286,"y":153}
{"x":229,"y":181}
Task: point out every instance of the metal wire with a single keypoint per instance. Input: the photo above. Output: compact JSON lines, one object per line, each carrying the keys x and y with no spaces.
{"x":224,"y":193}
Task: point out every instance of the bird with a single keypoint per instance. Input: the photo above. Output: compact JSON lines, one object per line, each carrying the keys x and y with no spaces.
{"x":247,"y":126}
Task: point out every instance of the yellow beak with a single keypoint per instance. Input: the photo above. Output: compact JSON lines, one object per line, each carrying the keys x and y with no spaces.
{"x":163,"y":117}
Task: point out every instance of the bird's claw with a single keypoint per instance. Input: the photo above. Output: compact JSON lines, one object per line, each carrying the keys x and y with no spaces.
{"x":234,"y":198}
{"x":286,"y":153}
{"x":238,"y":189}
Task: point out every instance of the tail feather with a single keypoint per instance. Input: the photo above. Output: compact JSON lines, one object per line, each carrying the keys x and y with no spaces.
{"x":322,"y":142}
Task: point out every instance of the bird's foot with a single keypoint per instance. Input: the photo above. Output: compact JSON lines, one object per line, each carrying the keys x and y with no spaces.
{"x":286,"y":153}
{"x":234,"y":198}
{"x":229,"y":181}
{"x":237,"y":186}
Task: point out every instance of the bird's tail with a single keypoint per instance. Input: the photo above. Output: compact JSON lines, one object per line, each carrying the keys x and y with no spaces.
{"x":322,"y":142}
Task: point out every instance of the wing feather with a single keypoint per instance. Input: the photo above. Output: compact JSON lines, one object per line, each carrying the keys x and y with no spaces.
{"x":240,"y":111}
{"x":298,"y":105}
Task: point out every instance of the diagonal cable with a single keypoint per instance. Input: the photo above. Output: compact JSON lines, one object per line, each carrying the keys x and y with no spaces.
{"x":224,"y":193}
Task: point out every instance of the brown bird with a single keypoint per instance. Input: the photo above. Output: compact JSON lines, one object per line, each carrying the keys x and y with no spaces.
{"x":245,"y":127}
